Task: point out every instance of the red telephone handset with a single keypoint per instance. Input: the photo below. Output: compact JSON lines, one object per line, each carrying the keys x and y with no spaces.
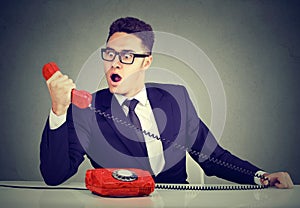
{"x":118,"y":182}
{"x":80,"y":98}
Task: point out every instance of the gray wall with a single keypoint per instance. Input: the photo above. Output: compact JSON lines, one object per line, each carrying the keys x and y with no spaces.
{"x":254,"y":45}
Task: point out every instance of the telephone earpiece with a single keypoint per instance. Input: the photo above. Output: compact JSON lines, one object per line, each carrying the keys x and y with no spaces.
{"x":80,"y":98}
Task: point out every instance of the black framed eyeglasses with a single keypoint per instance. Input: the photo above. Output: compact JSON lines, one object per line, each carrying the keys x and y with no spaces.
{"x":125,"y":56}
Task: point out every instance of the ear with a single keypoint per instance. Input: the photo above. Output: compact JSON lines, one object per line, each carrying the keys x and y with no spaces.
{"x":147,"y":62}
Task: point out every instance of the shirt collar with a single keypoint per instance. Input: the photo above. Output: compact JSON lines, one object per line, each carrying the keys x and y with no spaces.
{"x":141,"y":96}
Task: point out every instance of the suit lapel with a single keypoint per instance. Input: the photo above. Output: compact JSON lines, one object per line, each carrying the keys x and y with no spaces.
{"x":163,"y":105}
{"x":125,"y":138}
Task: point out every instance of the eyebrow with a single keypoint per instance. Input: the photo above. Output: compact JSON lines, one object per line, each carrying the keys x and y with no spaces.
{"x":125,"y":50}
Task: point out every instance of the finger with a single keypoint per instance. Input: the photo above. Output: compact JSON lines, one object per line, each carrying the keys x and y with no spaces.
{"x":66,"y":81}
{"x":66,"y":87}
{"x":62,"y":78}
{"x":73,"y":86}
{"x":56,"y":75}
{"x":289,"y":181}
{"x":69,"y":87}
{"x":61,"y":82}
{"x":284,"y":181}
{"x":281,"y":185}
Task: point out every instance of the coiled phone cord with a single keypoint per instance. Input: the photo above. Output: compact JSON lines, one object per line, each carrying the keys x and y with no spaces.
{"x":196,"y":153}
{"x":193,"y":187}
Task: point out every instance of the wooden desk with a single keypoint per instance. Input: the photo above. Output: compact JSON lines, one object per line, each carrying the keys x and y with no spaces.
{"x":22,"y":197}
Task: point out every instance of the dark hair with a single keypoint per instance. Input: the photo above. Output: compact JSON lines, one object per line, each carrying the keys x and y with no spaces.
{"x":133,"y":25}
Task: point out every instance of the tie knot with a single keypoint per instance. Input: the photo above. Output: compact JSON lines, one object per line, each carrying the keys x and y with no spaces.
{"x":131,"y":104}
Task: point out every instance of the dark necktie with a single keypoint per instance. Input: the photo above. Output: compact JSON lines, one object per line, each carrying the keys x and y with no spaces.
{"x":131,"y":104}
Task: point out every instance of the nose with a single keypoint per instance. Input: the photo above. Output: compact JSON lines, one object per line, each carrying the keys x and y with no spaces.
{"x":116,"y":62}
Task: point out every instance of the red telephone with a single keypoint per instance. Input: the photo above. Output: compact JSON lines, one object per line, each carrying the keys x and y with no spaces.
{"x":119,"y":182}
{"x":80,"y":98}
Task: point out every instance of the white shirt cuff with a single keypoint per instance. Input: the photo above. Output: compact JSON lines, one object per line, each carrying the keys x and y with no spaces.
{"x":257,"y":180}
{"x":56,"y":121}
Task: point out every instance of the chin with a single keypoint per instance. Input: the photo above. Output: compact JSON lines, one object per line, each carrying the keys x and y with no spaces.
{"x":114,"y":90}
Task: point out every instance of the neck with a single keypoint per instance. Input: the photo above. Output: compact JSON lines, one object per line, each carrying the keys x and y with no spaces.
{"x":133,"y":92}
{"x":135,"y":88}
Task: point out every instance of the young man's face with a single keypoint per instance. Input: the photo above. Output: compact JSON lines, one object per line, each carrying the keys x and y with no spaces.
{"x":126,"y":79}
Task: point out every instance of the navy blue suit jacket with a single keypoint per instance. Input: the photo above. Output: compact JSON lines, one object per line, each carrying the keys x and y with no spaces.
{"x":108,"y":142}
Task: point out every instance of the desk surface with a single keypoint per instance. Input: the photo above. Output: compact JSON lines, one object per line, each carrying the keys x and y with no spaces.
{"x":22,"y":197}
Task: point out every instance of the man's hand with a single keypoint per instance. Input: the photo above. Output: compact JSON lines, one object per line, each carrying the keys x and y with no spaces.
{"x":280,"y":180}
{"x":60,"y":88}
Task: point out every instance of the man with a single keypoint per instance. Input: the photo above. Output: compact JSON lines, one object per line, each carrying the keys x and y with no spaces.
{"x":163,"y":110}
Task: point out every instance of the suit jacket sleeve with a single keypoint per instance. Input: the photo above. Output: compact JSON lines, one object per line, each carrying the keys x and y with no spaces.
{"x":60,"y":152}
{"x":214,"y":160}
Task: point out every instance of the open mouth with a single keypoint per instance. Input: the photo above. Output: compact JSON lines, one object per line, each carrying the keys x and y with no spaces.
{"x":115,"y":77}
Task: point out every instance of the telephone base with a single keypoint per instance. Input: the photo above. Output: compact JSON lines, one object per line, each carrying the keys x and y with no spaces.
{"x":115,"y":182}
